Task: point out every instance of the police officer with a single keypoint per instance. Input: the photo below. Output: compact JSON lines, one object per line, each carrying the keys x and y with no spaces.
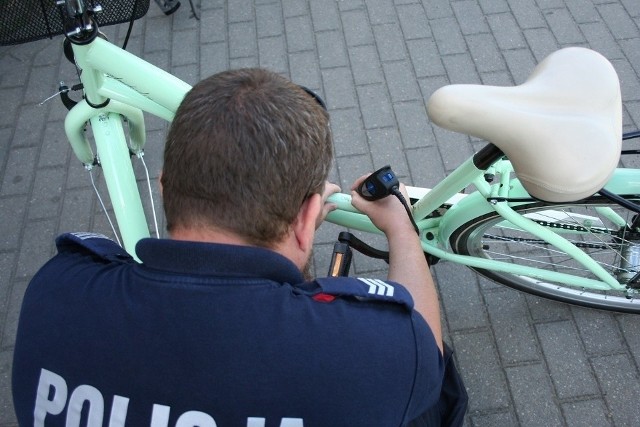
{"x":218,"y":325}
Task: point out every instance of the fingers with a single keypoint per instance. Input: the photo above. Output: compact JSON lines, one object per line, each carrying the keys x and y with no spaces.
{"x":329,"y":189}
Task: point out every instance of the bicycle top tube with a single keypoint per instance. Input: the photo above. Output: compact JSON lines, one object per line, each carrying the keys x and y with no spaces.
{"x":561,"y":129}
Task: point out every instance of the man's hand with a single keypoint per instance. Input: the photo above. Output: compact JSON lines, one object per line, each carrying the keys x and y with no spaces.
{"x":329,"y":189}
{"x":388,"y":214}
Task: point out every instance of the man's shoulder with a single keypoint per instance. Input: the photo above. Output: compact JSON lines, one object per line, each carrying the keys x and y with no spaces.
{"x":97,"y":245}
{"x":361,"y":289}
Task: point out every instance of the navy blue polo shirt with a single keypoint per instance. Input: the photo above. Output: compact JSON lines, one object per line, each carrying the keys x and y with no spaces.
{"x":215,"y":335}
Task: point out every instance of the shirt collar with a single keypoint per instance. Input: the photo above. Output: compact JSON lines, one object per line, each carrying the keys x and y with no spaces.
{"x":214,"y":259}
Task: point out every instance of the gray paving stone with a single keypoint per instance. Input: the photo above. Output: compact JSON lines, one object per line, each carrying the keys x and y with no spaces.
{"x":619,"y":384}
{"x":356,"y":28}
{"x":13,"y":312}
{"x":485,"y":53}
{"x":448,"y":36}
{"x":77,"y":208}
{"x":599,"y":331}
{"x":629,"y":83}
{"x":494,"y":6}
{"x":7,"y":266}
{"x":12,"y":211}
{"x":339,"y":90}
{"x":160,"y":36}
{"x":34,"y":255}
{"x":515,"y":339}
{"x":532,"y":403}
{"x":325,"y":15}
{"x":401,"y":82}
{"x":305,"y":70}
{"x":242,"y":40}
{"x":486,"y":387}
{"x":493,"y":420}
{"x":437,"y":8}
{"x":454,"y":148}
{"x":46,"y":195}
{"x":213,"y":27}
{"x":527,"y":14}
{"x":461,"y":298}
{"x":7,"y":416}
{"x":240,"y":10}
{"x":520,"y":63}
{"x":567,"y":362}
{"x":19,"y":171}
{"x":386,"y":146}
{"x":585,"y":413}
{"x":413,"y":21}
{"x":413,"y":124}
{"x":425,"y":166}
{"x":542,"y":42}
{"x":214,"y":58}
{"x":601,"y":40}
{"x":564,"y":27}
{"x":269,"y":20}
{"x":272,"y":54}
{"x":425,"y":58}
{"x":294,"y":8}
{"x":470,"y":17}
{"x":348,"y":132}
{"x":185,"y":48}
{"x":377,"y":111}
{"x":391,"y":46}
{"x":461,"y":69}
{"x":545,"y":310}
{"x":331,"y":49}
{"x":381,"y":12}
{"x":583,"y":11}
{"x":29,"y":125}
{"x":365,"y":64}
{"x":506,"y":31}
{"x":618,"y":21}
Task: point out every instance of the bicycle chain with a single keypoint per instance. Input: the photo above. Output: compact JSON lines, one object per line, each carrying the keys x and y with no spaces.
{"x":562,"y":226}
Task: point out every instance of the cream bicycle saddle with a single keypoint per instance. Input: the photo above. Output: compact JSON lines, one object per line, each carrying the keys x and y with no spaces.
{"x":561,"y":129}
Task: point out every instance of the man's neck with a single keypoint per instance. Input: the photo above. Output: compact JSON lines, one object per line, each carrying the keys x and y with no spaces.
{"x":208,"y":235}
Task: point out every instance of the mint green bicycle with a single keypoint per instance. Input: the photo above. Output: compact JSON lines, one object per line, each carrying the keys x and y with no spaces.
{"x":549,"y":212}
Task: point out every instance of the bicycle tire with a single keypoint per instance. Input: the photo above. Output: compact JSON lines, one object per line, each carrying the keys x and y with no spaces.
{"x":489,"y":236}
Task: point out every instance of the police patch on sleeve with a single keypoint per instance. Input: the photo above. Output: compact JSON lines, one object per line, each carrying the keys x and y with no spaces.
{"x":366,"y":289}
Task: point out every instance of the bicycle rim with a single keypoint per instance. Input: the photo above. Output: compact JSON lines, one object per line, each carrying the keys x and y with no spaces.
{"x":593,"y":225}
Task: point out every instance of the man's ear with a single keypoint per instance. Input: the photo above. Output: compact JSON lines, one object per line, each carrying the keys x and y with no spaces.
{"x":304,"y":227}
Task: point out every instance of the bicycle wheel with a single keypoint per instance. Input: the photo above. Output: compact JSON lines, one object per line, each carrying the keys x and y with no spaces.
{"x":597,"y":226}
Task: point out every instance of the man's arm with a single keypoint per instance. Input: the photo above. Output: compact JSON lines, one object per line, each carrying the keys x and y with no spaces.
{"x":407,"y":263}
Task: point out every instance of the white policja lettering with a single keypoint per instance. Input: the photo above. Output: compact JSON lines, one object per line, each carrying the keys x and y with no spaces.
{"x":51,"y":399}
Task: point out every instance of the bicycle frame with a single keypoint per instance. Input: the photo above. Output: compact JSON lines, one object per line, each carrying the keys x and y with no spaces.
{"x":117,"y":83}
{"x":435,"y":231}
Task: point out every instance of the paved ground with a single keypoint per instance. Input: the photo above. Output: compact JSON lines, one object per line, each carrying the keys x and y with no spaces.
{"x":526,"y":361}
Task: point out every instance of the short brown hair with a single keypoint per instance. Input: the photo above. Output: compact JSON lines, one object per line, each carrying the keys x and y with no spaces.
{"x":245,"y":149}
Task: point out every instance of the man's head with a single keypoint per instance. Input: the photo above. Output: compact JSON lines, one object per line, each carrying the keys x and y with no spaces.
{"x":245,"y":150}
